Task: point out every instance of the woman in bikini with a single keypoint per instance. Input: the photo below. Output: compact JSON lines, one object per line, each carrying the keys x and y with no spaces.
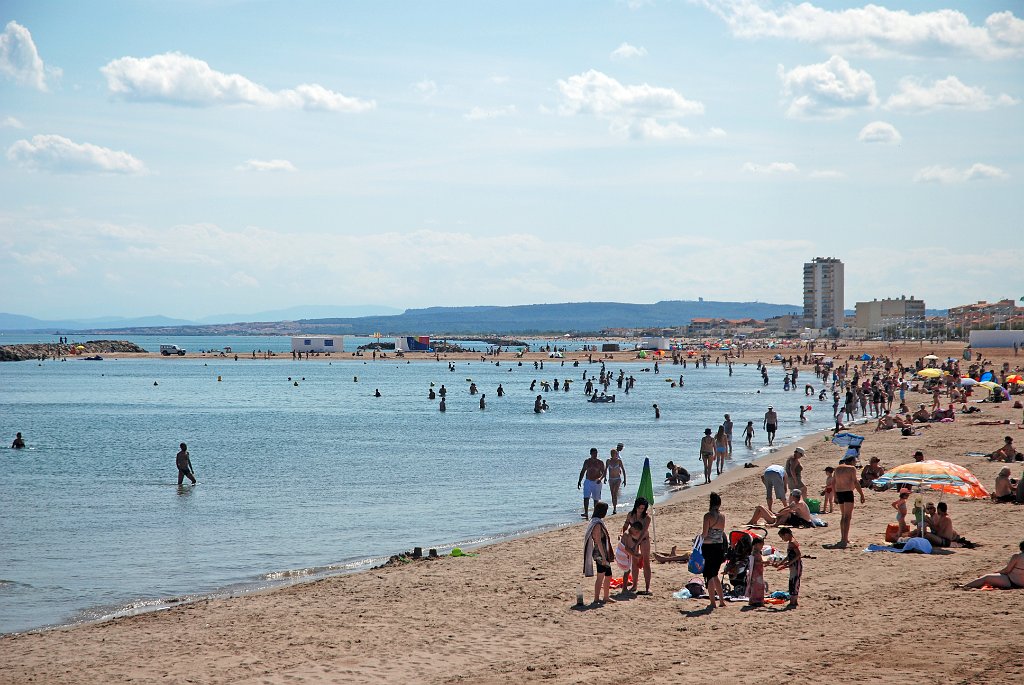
{"x":1011,"y":577}
{"x":707,"y":453}
{"x":721,"y":448}
{"x":639,"y":514}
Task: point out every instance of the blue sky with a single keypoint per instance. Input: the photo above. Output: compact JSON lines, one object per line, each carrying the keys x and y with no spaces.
{"x":191,"y":158}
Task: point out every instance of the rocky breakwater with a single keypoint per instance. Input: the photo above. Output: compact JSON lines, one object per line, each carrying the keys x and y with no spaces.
{"x":43,"y":351}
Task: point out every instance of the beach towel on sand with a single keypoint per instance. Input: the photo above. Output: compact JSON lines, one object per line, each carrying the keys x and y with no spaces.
{"x":912,"y":545}
{"x":588,"y":547}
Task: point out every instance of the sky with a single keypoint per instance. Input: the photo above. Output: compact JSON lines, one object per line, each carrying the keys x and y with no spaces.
{"x":203,"y":156}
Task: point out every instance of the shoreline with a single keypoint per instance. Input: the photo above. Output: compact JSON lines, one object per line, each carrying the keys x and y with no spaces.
{"x":671,"y":496}
{"x":507,"y":613}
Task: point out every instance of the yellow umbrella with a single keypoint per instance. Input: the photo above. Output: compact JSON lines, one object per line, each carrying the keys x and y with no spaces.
{"x":929,"y":373}
{"x":989,"y":384}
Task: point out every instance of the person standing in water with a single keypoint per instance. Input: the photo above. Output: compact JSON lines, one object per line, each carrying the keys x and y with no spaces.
{"x":615,"y":477}
{"x":184,"y":464}
{"x":19,"y":442}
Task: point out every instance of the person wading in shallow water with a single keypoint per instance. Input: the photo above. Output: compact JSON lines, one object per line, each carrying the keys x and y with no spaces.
{"x":184,"y":463}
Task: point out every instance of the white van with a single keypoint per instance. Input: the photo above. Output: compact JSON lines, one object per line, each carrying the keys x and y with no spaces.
{"x":168,"y":350}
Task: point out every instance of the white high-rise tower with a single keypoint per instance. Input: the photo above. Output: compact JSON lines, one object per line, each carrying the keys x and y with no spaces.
{"x":823,"y":293}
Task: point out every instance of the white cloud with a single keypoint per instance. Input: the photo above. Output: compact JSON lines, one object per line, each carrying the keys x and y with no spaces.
{"x":770,"y":169}
{"x":19,"y":59}
{"x":427,"y":88}
{"x":60,"y":155}
{"x":639,"y":110}
{"x":482,"y":113}
{"x":240,"y":279}
{"x":650,"y":129}
{"x":11,"y":122}
{"x":829,"y":90}
{"x":876,"y":31}
{"x":627,"y":51}
{"x":879,"y":132}
{"x":947,"y":93}
{"x":948,"y":175}
{"x":177,"y":79}
{"x":46,"y":260}
{"x":266,"y":165}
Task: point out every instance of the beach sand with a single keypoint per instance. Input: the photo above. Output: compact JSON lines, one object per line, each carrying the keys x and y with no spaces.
{"x":507,"y":614}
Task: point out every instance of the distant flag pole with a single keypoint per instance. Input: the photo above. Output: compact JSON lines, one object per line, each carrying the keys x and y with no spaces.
{"x":646,"y":490}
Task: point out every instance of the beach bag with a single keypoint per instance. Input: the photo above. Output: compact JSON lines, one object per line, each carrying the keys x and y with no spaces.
{"x":696,"y":563}
{"x":892,"y":532}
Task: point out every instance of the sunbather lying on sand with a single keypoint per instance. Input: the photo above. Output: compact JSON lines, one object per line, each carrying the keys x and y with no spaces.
{"x":671,"y":557}
{"x":795,"y":514}
{"x":1010,"y":577}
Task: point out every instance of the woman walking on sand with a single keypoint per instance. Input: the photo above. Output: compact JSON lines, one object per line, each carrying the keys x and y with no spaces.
{"x":713,"y":549}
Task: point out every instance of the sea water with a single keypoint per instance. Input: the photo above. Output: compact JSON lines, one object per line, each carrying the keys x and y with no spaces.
{"x":297,"y":481}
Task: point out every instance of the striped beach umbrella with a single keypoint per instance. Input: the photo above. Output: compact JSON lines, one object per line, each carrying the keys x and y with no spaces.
{"x":938,"y":475}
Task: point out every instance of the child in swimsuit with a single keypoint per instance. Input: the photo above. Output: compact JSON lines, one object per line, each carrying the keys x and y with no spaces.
{"x":748,"y":433}
{"x":794,"y":562}
{"x":755,"y":574}
{"x":900,"y":506}
{"x":829,"y":493}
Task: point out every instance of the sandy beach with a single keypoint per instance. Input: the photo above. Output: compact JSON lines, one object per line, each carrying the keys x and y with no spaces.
{"x":507,"y":614}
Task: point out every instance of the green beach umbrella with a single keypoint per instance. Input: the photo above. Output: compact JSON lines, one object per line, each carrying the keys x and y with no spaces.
{"x":646,"y":489}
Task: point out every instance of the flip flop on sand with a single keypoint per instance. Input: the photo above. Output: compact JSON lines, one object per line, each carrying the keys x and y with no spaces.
{"x":835,"y":545}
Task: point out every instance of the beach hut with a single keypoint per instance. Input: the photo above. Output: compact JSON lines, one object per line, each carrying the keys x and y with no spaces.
{"x":318,"y":343}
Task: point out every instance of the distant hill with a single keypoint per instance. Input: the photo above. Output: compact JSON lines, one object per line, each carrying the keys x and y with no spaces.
{"x":305,"y":311}
{"x":17,"y":322}
{"x":538,"y":318}
{"x":520,"y":319}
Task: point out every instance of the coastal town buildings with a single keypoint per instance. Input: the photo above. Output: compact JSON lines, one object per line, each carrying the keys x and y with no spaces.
{"x":982,"y":314}
{"x":823,"y":293}
{"x":890,"y":315}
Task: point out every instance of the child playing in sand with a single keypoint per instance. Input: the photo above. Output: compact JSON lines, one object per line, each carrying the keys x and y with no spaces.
{"x":900,"y":506}
{"x":794,"y":562}
{"x":829,"y":493}
{"x":755,"y":574}
{"x":748,"y":433}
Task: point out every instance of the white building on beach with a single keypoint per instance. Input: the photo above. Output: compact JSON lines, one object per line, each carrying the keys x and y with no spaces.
{"x":318,"y":343}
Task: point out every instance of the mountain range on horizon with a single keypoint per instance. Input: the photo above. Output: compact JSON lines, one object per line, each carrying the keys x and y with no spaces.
{"x":370,"y":319}
{"x":20,"y":322}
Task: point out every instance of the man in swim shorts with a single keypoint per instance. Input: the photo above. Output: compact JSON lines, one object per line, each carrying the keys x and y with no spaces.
{"x":593,"y":470}
{"x":774,"y":479}
{"x":846,"y":482}
{"x":770,"y":424}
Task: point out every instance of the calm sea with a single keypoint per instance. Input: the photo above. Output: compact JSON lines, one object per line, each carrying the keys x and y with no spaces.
{"x":306,"y":480}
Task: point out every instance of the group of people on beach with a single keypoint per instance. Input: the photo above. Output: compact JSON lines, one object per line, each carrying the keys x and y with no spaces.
{"x":867,"y":387}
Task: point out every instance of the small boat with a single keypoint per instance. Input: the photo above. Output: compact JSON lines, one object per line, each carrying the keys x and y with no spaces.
{"x":94,"y":358}
{"x":602,"y":399}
